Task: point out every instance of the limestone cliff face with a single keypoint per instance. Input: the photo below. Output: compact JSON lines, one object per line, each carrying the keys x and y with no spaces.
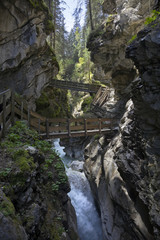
{"x":146,"y":56}
{"x":27,"y":63}
{"x":124,"y":173}
{"x":107,"y":44}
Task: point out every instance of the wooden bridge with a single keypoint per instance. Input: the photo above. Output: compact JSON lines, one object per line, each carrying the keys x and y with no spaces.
{"x":75,"y":86}
{"x":13,"y":108}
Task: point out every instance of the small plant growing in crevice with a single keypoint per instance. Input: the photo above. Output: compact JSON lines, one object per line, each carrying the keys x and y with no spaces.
{"x":132,"y":39}
{"x":153,"y":17}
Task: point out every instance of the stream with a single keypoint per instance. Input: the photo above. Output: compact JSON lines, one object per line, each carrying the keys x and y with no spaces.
{"x":88,"y":220}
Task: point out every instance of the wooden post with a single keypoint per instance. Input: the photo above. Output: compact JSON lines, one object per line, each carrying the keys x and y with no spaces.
{"x":39,"y":124}
{"x":59,"y":124}
{"x":28,"y":117}
{"x":100,"y":124}
{"x":4,"y":115}
{"x":85,"y":127}
{"x":12,"y":108}
{"x":69,"y":128}
{"x":47,"y":128}
{"x":22,"y":110}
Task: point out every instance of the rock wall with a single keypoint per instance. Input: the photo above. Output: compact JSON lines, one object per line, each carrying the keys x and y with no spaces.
{"x":107,"y":43}
{"x":124,"y":174}
{"x":34,"y":204}
{"x":27,"y":63}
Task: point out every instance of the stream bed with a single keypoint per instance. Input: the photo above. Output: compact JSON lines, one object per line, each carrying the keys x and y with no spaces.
{"x":88,"y":220}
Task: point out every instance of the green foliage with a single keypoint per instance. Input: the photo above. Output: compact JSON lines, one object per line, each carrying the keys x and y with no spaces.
{"x":43,"y":146}
{"x":53,"y":103}
{"x":4,"y":172}
{"x":86,"y":103}
{"x":18,"y":136}
{"x":96,"y":137}
{"x":55,"y":187}
{"x":132,"y":39}
{"x":153,"y":17}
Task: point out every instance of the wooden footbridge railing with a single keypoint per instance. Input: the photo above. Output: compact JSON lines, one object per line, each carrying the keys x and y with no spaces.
{"x":75,"y":86}
{"x":12,"y":108}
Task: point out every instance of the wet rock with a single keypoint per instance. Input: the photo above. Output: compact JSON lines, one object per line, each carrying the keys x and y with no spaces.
{"x":77,"y":166}
{"x":10,"y":227}
{"x":115,"y":177}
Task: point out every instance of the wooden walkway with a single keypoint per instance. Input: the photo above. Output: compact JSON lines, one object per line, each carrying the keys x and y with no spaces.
{"x":13,"y":108}
{"x":75,"y":86}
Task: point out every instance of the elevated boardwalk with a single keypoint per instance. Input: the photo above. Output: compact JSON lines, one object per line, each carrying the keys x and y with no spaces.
{"x":75,"y":86}
{"x":11,"y":108}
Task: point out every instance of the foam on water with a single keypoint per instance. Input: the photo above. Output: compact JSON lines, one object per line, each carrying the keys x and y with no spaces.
{"x":88,"y":221}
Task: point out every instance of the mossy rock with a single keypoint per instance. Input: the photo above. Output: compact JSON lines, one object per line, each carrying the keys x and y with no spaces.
{"x":6,"y":206}
{"x":53,"y":103}
{"x":87,"y":103}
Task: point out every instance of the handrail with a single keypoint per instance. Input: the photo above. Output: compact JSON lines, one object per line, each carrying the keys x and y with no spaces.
{"x":75,"y":86}
{"x":12,"y":107}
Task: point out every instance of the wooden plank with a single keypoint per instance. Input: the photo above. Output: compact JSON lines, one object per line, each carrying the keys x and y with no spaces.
{"x":79,"y":127}
{"x":78,"y":120}
{"x":75,"y":134}
{"x":1,"y":114}
{"x":69,"y":129}
{"x":47,"y":128}
{"x":58,"y":128}
{"x":34,"y":123}
{"x":8,"y":109}
{"x":12,"y":108}
{"x":107,"y":125}
{"x":85,"y":126}
{"x":22,"y":110}
{"x":19,"y":101}
{"x":0,"y":134}
{"x":29,"y":117}
{"x":38,"y":116}
{"x":7,"y":94}
{"x":8,"y":123}
{"x":100,"y":125}
{"x":57,"y":120}
{"x":18,"y":112}
{"x":93,"y":127}
{"x":95,"y":100}
{"x":39,"y":126}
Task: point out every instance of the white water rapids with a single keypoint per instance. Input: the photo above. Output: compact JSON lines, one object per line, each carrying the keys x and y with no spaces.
{"x":88,"y":221}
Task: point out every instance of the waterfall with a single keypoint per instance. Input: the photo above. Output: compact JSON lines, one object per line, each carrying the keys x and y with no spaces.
{"x":88,"y":221}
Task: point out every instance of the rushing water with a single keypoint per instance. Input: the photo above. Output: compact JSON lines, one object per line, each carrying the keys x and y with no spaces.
{"x":88,"y":221}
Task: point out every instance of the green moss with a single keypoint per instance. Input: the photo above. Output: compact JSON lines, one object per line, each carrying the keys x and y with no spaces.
{"x":7,"y":207}
{"x":40,"y":4}
{"x":23,"y":160}
{"x":42,"y":102}
{"x":53,"y":103}
{"x":132,"y":39}
{"x":152,"y":18}
{"x":109,"y":20}
{"x":50,"y":25}
{"x":86,"y":103}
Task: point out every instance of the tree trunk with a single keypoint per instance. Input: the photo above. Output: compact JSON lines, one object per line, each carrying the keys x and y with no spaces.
{"x":54,"y":34}
{"x":90,"y":13}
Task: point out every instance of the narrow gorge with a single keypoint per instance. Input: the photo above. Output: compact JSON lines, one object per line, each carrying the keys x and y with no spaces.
{"x":123,"y":165}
